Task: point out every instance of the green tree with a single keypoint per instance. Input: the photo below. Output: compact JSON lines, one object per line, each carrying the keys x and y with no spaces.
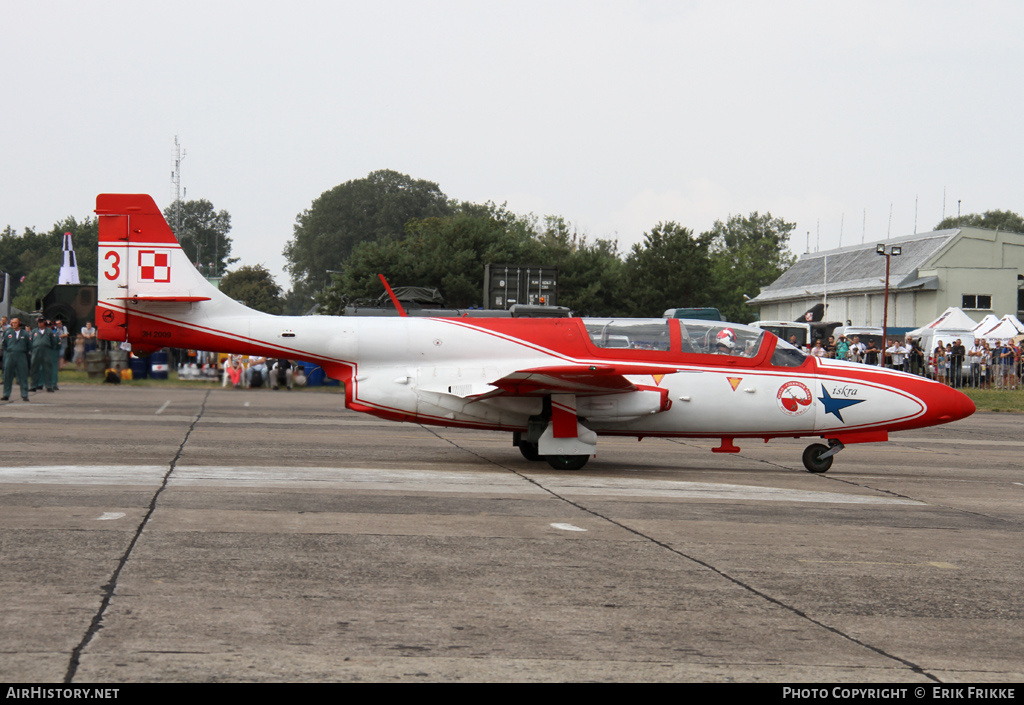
{"x":33,"y":260}
{"x":296,"y":304}
{"x":371,"y":209}
{"x":670,"y":268}
{"x":747,"y":253}
{"x":994,"y":220}
{"x":590,"y":274}
{"x":36,"y":285}
{"x":19,"y":254}
{"x":255,"y":287}
{"x":203,"y":234}
{"x":447,"y":253}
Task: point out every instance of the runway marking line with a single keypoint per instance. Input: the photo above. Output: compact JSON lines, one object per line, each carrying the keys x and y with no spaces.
{"x":934,"y":564}
{"x":566,"y":527}
{"x":440,"y":480}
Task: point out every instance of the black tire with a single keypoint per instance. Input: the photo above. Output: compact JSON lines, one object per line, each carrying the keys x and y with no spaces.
{"x":529,"y":451}
{"x":811,"y":460}
{"x":567,"y":462}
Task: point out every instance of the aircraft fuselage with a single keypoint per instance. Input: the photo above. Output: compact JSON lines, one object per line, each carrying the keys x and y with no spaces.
{"x":555,"y":383}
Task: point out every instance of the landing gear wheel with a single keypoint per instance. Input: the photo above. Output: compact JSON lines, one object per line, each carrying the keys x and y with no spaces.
{"x":529,"y":451}
{"x":567,"y":462}
{"x":812,"y":461}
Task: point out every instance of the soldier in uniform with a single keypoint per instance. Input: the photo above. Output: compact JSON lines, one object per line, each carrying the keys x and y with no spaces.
{"x":57,"y":354}
{"x":15,"y":341}
{"x":4,"y":325}
{"x":44,"y":340}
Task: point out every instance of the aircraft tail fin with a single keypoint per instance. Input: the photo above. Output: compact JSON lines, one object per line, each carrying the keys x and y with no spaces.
{"x":148,"y":287}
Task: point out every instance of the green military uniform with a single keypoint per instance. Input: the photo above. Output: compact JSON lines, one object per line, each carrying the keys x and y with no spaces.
{"x":55,"y":354}
{"x":43,"y":343}
{"x":15,"y":346}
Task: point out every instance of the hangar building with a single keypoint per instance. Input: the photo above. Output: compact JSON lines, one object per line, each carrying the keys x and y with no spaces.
{"x":976,"y":269}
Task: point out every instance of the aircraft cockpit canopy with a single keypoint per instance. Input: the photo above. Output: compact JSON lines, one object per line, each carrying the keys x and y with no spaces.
{"x":632,"y":333}
{"x":716,"y":338}
{"x":696,"y":336}
{"x":787,"y":355}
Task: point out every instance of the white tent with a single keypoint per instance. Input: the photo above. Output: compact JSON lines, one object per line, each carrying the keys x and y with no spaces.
{"x":1015,"y":321}
{"x":1007,"y":328}
{"x":952,"y":320}
{"x":987,"y":323}
{"x":951,"y":326}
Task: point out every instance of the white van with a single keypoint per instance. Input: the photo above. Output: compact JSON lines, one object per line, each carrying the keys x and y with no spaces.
{"x":867,"y":335}
{"x":931,"y":338}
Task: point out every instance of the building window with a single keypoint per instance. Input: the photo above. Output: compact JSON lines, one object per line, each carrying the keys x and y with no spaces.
{"x":982,"y":302}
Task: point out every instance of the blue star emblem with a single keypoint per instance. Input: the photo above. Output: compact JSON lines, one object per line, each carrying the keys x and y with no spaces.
{"x":835,"y":406}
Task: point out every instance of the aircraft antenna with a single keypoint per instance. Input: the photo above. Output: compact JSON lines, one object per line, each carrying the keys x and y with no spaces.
{"x":394,"y":299}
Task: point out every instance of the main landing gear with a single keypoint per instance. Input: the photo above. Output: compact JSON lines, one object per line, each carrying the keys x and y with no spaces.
{"x":818,"y":456}
{"x":558,"y":462}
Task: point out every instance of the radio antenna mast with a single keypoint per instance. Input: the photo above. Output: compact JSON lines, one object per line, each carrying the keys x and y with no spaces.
{"x":179,"y":154}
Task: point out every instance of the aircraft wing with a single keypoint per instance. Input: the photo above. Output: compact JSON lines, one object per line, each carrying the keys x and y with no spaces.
{"x":582,"y":380}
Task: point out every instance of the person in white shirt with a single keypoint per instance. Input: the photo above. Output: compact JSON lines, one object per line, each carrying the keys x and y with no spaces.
{"x":975,"y":356}
{"x":897,"y":353}
{"x":857,"y":349}
{"x":259,"y":365}
{"x":986,"y":366}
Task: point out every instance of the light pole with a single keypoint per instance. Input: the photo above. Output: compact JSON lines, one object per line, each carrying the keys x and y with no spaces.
{"x":894,"y":251}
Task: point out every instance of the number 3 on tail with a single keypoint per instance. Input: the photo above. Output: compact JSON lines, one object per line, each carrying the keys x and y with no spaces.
{"x":113,"y":261}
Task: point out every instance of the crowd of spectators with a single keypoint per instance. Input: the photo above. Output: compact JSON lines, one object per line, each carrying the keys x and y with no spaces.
{"x":253,"y":371}
{"x":996,"y":365}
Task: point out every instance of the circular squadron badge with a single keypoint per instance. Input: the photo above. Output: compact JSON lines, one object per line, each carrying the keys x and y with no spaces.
{"x":794,"y":398}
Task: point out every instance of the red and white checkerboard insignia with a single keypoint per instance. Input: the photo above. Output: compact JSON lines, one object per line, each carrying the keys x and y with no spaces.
{"x":154,"y":266}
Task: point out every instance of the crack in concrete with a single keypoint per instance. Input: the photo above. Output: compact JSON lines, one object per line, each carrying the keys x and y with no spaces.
{"x":108,"y":590}
{"x":735,"y":581}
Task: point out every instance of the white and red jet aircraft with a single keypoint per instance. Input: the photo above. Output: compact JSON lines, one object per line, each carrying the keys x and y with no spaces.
{"x":555,"y":384}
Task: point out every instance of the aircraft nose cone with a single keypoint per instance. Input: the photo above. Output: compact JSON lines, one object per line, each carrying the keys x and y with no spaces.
{"x":965,"y":406}
{"x":954,"y":405}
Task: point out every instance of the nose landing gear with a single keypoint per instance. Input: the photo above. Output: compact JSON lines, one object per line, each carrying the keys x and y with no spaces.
{"x":818,"y":456}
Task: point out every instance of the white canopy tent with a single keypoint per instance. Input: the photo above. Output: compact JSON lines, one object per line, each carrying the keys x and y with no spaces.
{"x":1015,"y":321}
{"x":987,"y":323}
{"x":1007,"y":328}
{"x":951,"y":326}
{"x":952,"y":321}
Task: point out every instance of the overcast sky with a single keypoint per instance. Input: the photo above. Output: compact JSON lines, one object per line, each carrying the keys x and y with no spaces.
{"x":614,"y":115}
